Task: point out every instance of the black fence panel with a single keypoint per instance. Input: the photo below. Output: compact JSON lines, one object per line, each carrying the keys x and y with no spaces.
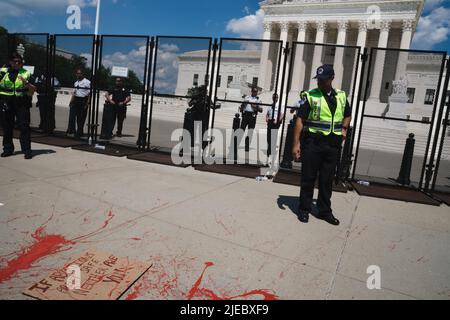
{"x":72,"y":53}
{"x":440,"y":186}
{"x":181,"y":71}
{"x":399,"y":103}
{"x":122,"y":71}
{"x":243,"y":65}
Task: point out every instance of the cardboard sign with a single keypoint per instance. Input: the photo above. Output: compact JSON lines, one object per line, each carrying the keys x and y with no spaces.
{"x":30,"y":69}
{"x":101,"y":276}
{"x":119,"y":72}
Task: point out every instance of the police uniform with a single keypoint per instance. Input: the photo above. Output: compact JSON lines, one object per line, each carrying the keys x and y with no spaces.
{"x":113,"y":112}
{"x":46,"y":103}
{"x":14,"y":103}
{"x":78,"y":110}
{"x":249,"y":114}
{"x":322,"y":114}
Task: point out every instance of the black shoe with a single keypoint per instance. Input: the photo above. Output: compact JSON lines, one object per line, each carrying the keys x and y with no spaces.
{"x":303,"y":216}
{"x":330,"y":219}
{"x":119,"y":135}
{"x":28,"y":156}
{"x":7,"y":154}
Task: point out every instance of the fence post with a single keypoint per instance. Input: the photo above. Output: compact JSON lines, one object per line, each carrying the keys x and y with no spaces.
{"x":404,"y":177}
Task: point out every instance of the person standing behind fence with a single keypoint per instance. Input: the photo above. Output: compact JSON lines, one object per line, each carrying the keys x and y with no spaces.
{"x":117,"y":100}
{"x":15,"y":92}
{"x":250,"y":109}
{"x":46,"y":103}
{"x":79,"y":104}
{"x":274,"y":118}
{"x":321,"y":127}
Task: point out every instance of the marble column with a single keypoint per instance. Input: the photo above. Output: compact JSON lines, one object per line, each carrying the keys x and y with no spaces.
{"x":298,"y":73}
{"x":378,"y":68}
{"x":361,"y":42}
{"x":339,"y":56}
{"x":405,"y":44}
{"x":317,"y":50}
{"x":266,"y":62}
{"x":284,"y":28}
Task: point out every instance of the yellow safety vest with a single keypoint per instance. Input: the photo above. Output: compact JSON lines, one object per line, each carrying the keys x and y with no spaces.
{"x":16,"y":88}
{"x":320,"y":119}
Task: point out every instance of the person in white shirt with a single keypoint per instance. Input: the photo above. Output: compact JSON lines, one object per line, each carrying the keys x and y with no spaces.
{"x":79,"y":105}
{"x":274,"y":118}
{"x":250,"y":109}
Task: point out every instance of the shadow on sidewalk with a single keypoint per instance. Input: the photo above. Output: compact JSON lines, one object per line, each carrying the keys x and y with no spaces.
{"x":37,"y":153}
{"x":292,"y":203}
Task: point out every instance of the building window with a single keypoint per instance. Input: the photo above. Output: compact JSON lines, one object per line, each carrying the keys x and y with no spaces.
{"x":386,"y":87}
{"x":429,"y":96}
{"x":411,"y":92}
{"x":219,"y":81}
{"x":206,"y":79}
{"x":230,"y":80}
{"x":195,"y":80}
{"x":255,"y":82}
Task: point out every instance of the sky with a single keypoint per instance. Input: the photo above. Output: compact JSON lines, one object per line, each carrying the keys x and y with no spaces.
{"x":202,"y":18}
{"x":215,"y":18}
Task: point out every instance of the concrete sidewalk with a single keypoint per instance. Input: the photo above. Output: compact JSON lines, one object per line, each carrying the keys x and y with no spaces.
{"x":244,"y":233}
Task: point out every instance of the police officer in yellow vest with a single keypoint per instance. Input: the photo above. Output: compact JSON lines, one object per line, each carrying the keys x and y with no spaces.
{"x":324,"y":116}
{"x":14,"y":88}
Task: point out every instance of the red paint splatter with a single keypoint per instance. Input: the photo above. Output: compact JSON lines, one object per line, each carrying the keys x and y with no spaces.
{"x":166,"y":285}
{"x":43,"y":246}
{"x":198,"y":292}
{"x":135,"y":293}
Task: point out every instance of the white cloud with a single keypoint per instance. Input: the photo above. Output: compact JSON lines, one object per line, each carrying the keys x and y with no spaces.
{"x":432,"y":29}
{"x":166,"y":68}
{"x":250,"y":26}
{"x":88,"y":57}
{"x":133,"y":60}
{"x":432,"y":4}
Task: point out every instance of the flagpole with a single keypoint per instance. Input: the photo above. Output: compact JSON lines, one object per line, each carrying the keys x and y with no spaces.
{"x":97,"y":22}
{"x":97,"y":17}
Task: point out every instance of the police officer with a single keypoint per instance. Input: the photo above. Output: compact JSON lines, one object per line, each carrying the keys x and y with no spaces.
{"x":324,"y":116}
{"x":46,"y":100}
{"x":200,"y":105}
{"x":117,"y":100}
{"x":15,"y":89}
{"x":250,"y":109}
{"x":79,"y":105}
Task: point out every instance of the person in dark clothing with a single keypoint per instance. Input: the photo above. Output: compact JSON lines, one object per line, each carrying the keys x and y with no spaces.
{"x":15,"y":93}
{"x":46,"y":103}
{"x":79,"y":105}
{"x":115,"y":107}
{"x":323,"y":118}
{"x":200,"y":105}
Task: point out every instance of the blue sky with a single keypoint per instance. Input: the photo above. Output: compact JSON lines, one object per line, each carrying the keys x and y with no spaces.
{"x":215,"y":18}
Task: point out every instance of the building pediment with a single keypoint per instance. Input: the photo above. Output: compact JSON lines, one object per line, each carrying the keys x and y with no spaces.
{"x":341,"y":7}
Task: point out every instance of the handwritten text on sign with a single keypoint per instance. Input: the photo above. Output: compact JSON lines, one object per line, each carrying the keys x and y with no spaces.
{"x":103,"y":277}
